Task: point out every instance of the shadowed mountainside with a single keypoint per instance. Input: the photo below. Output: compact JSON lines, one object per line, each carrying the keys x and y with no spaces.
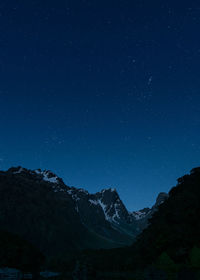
{"x":169,"y":247}
{"x":56,"y":218}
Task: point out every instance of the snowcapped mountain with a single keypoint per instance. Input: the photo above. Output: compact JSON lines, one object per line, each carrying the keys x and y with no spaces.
{"x":107,"y":201}
{"x":141,"y":214}
{"x":45,"y":175}
{"x":41,"y":200}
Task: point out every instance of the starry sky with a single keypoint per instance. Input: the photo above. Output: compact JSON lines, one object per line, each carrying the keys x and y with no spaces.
{"x":103,"y":93}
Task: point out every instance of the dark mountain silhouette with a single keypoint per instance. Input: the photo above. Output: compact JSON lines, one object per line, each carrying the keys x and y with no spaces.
{"x":56,"y":218}
{"x":169,"y":248}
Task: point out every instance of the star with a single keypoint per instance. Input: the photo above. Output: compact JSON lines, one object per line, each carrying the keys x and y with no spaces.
{"x":150,"y":80}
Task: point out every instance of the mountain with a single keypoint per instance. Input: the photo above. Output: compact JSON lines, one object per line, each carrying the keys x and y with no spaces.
{"x":175,"y":228}
{"x":105,"y":214}
{"x":144,"y":215}
{"x":34,"y":205}
{"x":169,"y":248}
{"x":39,"y":207}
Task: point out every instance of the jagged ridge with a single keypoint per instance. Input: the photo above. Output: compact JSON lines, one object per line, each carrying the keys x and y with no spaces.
{"x":101,"y":217}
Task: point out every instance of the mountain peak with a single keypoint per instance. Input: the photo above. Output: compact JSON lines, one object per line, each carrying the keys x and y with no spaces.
{"x":102,"y":212}
{"x":113,"y":208}
{"x":108,"y":190}
{"x":46,"y":175}
{"x":17,"y":170}
{"x":161,"y":198}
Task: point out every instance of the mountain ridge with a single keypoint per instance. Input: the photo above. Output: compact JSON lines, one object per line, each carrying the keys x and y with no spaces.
{"x":49,"y":208}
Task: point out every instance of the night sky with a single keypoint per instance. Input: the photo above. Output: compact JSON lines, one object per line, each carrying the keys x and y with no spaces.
{"x":103,"y":93}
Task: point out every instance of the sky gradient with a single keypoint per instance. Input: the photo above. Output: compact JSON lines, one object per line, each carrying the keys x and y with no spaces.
{"x":103,"y":93}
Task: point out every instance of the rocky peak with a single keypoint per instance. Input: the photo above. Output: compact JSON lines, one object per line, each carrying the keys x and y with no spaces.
{"x":195,"y":171}
{"x":17,"y":170}
{"x":161,"y":198}
{"x":77,"y":194}
{"x":141,"y":213}
{"x":113,"y":208}
{"x":102,"y":212}
{"x":47,"y":175}
{"x":38,"y":174}
{"x":107,"y":195}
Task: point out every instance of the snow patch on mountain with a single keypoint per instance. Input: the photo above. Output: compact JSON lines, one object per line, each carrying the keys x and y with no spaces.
{"x":138,"y":215}
{"x":83,"y":191}
{"x":108,"y":189}
{"x":105,"y":208}
{"x":95,"y":202}
{"x":116,"y":214}
{"x":73,"y":195}
{"x":20,"y":170}
{"x":47,"y":176}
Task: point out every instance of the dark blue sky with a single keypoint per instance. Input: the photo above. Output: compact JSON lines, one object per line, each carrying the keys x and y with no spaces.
{"x":103,"y":93}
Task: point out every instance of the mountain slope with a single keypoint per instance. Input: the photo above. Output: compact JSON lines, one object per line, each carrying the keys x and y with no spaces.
{"x":39,"y":207}
{"x":175,"y":228}
{"x":143,"y":216}
{"x":171,"y":242}
{"x":56,"y":218}
{"x":31,"y":208}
